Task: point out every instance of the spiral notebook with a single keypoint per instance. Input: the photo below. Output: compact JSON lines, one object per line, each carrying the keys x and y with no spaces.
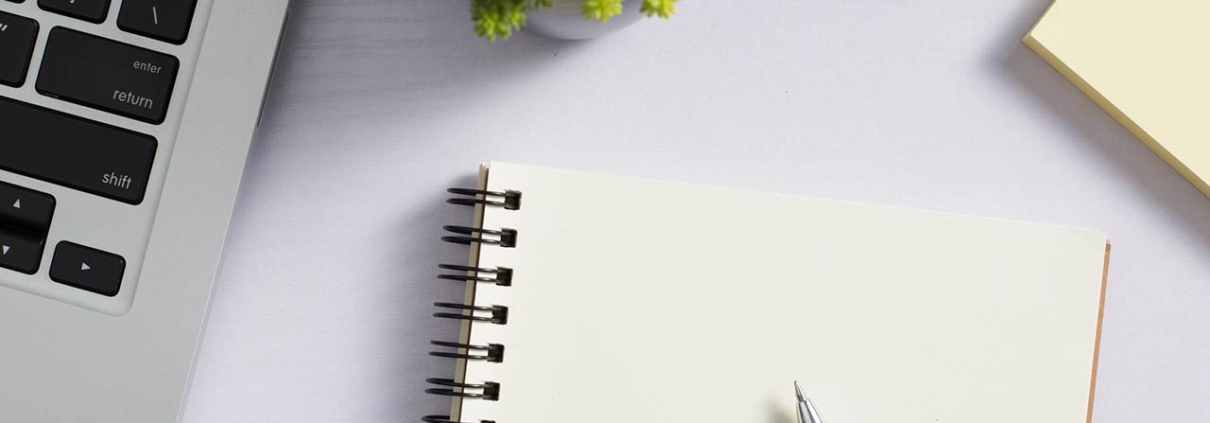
{"x":604,"y":299}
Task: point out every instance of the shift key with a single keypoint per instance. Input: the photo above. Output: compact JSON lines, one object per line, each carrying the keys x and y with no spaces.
{"x":107,"y":75}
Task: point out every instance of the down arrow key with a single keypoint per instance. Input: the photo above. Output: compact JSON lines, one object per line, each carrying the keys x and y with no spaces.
{"x":20,"y":250}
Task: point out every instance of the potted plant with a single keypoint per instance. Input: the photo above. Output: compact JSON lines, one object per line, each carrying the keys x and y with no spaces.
{"x":563,"y":19}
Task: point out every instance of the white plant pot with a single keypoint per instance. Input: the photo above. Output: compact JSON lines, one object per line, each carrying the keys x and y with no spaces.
{"x":564,"y":21}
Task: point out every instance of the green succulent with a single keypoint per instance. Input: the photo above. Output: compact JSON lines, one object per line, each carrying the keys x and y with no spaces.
{"x":498,"y":19}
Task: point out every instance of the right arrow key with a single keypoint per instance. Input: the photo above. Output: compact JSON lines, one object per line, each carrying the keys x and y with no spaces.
{"x":87,"y":268}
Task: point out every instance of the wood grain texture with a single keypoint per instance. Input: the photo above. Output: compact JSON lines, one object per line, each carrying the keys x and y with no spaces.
{"x":322,"y":313}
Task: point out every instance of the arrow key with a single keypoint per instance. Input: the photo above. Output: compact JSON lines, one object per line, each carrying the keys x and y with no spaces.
{"x":87,"y":268}
{"x":20,"y":250}
{"x":25,"y":208}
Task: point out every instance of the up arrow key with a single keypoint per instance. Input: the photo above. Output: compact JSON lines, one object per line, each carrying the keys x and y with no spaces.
{"x":5,"y":248}
{"x":84,"y":267}
{"x":22,"y":208}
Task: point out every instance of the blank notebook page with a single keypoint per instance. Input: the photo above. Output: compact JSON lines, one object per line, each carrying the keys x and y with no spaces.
{"x":637,"y":300}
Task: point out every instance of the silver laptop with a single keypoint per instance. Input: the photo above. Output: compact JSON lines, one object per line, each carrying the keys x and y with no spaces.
{"x":124,"y":129}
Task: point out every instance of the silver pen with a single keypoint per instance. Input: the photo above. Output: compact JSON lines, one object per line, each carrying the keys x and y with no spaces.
{"x":806,"y":409}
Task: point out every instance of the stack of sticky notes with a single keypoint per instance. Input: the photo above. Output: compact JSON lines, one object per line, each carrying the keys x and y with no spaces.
{"x":1146,"y":62}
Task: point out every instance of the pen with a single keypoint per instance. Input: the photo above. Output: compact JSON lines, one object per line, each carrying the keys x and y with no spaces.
{"x":806,"y":409}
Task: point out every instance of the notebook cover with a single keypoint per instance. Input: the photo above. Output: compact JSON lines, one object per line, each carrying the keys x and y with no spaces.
{"x":657,"y":301}
{"x":1145,"y":63}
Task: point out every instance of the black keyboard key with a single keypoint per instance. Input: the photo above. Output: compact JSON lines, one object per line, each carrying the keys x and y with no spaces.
{"x":107,"y":75}
{"x":20,"y":250}
{"x":88,"y":269}
{"x":164,"y":20}
{"x":17,"y":1}
{"x":17,"y":35}
{"x":25,"y":208}
{"x":70,"y":151}
{"x":89,"y":10}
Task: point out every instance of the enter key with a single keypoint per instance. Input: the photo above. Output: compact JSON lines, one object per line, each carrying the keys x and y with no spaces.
{"x":107,"y":75}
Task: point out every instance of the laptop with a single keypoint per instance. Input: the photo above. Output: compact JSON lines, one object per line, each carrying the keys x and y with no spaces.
{"x":124,"y":129}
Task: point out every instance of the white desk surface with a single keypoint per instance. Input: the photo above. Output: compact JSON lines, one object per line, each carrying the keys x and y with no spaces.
{"x":322,"y":311}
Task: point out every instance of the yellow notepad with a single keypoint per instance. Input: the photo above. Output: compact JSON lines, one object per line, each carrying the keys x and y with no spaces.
{"x":1146,"y":63}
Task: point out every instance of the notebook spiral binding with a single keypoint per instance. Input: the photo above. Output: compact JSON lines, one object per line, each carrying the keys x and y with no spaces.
{"x":498,"y":315}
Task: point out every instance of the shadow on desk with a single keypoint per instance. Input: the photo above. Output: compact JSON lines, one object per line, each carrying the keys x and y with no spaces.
{"x":415,"y":260}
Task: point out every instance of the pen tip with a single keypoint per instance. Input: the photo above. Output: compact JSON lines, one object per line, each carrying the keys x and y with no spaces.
{"x":798,"y":392}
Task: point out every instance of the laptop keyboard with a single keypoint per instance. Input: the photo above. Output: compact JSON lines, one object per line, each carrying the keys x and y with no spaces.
{"x":110,"y":160}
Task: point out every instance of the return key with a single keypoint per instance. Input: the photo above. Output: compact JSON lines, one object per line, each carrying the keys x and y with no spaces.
{"x":107,"y":75}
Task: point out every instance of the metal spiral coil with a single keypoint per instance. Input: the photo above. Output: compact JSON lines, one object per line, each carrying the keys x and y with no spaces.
{"x":509,"y":200}
{"x":492,"y":352}
{"x":500,"y":276}
{"x":506,"y":238}
{"x":487,"y":390}
{"x":446,"y":419}
{"x":499,"y":314}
